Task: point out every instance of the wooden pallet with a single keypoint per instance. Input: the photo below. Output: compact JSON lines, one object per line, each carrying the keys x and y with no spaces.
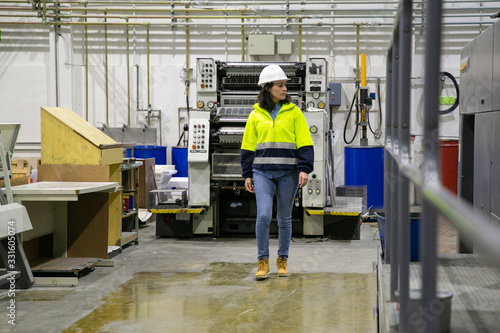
{"x":63,"y":266}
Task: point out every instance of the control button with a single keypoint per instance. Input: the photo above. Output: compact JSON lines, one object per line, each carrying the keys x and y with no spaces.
{"x":200,"y":104}
{"x":313,"y":129}
{"x":318,"y":191}
{"x":310,"y":191}
{"x":194,"y":146}
{"x":321,"y":105}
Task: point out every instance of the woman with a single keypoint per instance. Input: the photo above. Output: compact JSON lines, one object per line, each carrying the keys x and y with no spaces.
{"x":277,"y":154}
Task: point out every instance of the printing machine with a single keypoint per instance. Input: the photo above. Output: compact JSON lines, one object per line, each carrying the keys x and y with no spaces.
{"x":226,"y":92}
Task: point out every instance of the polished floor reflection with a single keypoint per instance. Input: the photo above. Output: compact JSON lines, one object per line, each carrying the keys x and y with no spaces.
{"x":226,"y":298}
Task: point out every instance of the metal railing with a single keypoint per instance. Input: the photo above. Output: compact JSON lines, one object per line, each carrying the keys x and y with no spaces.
{"x":399,"y":172}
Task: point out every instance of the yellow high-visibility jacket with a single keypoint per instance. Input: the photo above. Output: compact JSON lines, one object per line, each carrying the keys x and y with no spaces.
{"x":282,"y":144}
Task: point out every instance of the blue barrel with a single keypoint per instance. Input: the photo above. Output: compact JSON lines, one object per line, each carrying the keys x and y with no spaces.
{"x":158,"y":152}
{"x":180,"y":160}
{"x":365,"y":166}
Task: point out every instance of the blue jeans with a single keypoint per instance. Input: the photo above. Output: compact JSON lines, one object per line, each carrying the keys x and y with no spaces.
{"x":286,"y":188}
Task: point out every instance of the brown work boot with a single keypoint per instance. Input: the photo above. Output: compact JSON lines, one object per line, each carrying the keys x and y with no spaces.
{"x":281,"y":264}
{"x":262,"y":269}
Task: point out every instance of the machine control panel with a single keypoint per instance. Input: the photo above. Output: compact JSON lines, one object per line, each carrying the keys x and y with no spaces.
{"x":314,"y":193}
{"x":206,"y":84}
{"x":199,"y":136}
{"x":316,"y":83}
{"x":206,"y":75}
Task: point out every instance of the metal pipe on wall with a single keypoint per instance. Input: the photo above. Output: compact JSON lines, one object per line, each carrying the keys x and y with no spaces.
{"x":128,"y":73}
{"x":238,"y":25}
{"x":254,"y":3}
{"x":86,"y":73}
{"x":187,"y":66}
{"x":242,"y":40}
{"x":44,"y":14}
{"x":302,"y":9}
{"x":296,"y":17}
{"x":153,"y":10}
{"x":147,"y":59}
{"x":300,"y":40}
{"x":137,"y":86}
{"x":106,"y":67}
{"x":56,"y":59}
{"x":357,"y":25}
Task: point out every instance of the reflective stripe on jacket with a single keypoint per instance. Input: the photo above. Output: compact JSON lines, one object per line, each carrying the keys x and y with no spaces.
{"x":282,"y":144}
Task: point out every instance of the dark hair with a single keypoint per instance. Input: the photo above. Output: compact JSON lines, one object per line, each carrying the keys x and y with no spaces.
{"x":265,"y":100}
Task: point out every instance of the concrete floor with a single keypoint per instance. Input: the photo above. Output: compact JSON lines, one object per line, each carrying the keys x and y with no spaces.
{"x":207,"y":285}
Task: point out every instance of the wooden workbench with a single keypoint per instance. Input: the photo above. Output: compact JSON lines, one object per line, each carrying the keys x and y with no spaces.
{"x":76,"y":213}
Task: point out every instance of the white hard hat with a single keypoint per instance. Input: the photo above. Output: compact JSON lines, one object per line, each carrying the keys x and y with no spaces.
{"x":271,"y":73}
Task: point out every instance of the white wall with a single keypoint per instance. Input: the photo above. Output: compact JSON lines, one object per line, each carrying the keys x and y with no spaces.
{"x":30,"y":78}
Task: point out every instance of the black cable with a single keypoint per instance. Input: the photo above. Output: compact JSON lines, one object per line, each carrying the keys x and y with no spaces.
{"x":454,"y":106}
{"x":347,"y":121}
{"x":187,"y":95}
{"x":377,"y":133}
{"x":379,"y":105}
{"x":178,"y":142}
{"x":187,"y":106}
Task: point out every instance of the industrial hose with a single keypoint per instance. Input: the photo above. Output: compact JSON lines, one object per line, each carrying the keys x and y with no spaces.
{"x":454,"y":106}
{"x":378,"y":132}
{"x":187,"y":106}
{"x":347,"y":120}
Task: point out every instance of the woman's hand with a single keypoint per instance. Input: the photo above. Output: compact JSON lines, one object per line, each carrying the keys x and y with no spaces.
{"x":303,"y":178}
{"x":249,"y":186}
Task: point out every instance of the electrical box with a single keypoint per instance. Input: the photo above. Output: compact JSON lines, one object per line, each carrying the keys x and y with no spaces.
{"x":316,"y":83}
{"x":261,"y":44}
{"x":334,"y":93}
{"x":285,"y":46}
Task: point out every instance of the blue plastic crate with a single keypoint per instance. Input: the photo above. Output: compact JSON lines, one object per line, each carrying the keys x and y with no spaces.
{"x":414,"y":233}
